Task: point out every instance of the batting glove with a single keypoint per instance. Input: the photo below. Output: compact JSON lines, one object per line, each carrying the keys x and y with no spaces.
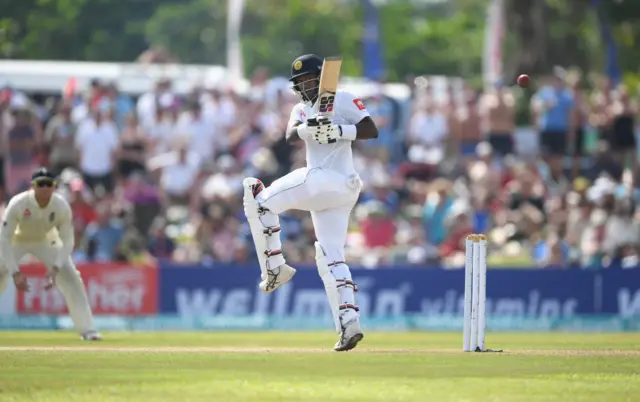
{"x":325,"y":132}
{"x":310,"y":128}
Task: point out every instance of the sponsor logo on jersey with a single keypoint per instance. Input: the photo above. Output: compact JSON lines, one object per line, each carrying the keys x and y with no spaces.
{"x":359,"y":104}
{"x":27,"y":213}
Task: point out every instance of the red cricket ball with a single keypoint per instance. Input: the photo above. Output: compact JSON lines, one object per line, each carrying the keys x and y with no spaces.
{"x":523,"y":81}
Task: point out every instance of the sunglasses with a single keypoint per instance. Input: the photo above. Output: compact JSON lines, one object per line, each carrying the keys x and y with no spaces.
{"x":45,"y":183}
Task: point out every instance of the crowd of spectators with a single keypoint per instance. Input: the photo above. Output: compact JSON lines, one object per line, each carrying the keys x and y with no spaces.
{"x":159,"y":177}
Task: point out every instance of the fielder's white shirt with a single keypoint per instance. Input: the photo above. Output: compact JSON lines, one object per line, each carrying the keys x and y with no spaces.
{"x":338,"y":156}
{"x":25,"y":222}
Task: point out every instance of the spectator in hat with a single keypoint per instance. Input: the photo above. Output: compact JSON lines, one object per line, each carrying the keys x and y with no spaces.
{"x":60,"y":136}
{"x":23,"y":141}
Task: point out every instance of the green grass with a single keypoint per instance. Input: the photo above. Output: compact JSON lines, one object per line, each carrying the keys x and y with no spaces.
{"x":272,"y":366}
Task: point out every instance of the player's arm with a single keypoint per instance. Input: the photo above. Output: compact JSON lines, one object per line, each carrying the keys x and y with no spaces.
{"x":9,"y":225}
{"x":352,"y":109}
{"x":355,"y":111}
{"x":296,"y":129}
{"x":65,"y":229}
{"x":292,"y":136}
{"x":366,"y":129}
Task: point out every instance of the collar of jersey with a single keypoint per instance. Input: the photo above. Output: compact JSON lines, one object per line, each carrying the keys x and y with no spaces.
{"x":32,"y":198}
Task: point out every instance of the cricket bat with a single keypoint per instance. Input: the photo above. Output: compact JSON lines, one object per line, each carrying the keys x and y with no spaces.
{"x":329,"y":78}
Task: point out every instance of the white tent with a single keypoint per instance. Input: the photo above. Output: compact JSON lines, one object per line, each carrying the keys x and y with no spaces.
{"x":51,"y":77}
{"x":133,"y":78}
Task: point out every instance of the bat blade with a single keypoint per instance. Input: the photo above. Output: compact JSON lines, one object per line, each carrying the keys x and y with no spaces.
{"x":329,"y":78}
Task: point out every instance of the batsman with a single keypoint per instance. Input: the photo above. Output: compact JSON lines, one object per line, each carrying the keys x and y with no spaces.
{"x":327,"y":121}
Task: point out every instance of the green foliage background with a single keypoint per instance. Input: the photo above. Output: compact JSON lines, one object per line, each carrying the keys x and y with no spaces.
{"x":419,"y":37}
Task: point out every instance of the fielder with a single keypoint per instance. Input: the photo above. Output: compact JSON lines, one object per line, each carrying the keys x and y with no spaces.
{"x":328,"y":187}
{"x":39,"y":222}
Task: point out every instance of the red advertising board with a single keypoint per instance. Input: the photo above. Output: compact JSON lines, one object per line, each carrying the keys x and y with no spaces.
{"x":112,"y":289}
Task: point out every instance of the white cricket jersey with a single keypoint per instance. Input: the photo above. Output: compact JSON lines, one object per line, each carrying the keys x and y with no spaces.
{"x":337,"y":156}
{"x":25,"y":222}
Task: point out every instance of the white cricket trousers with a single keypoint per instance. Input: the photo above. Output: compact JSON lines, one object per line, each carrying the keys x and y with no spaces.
{"x":68,"y":280}
{"x":327,"y":194}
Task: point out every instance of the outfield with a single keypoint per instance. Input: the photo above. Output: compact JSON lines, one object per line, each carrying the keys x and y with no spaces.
{"x":262,"y":366}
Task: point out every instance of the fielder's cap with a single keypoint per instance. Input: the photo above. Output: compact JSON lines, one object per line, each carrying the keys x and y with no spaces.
{"x":41,"y":174}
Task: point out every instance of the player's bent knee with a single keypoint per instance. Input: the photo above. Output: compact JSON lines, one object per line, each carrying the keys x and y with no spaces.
{"x":252,"y":186}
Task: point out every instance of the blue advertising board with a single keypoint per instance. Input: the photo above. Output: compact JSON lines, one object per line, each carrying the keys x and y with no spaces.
{"x":384,"y":293}
{"x":226,"y":297}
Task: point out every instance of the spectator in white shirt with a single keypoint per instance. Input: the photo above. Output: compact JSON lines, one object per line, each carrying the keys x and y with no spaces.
{"x":96,"y":141}
{"x":147,"y":105}
{"x":178,"y":179}
{"x":199,"y":131}
{"x":222,"y":111}
{"x":162,"y":130}
{"x":428,"y":132}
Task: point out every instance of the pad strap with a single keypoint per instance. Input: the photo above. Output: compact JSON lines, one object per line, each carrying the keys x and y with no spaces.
{"x":343,"y":283}
{"x":347,"y":306}
{"x":270,"y":253}
{"x":271,"y":230}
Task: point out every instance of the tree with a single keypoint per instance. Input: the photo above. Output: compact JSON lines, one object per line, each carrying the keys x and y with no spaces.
{"x":418,"y":37}
{"x":566,"y":33}
{"x":75,"y":29}
{"x":272,"y":35}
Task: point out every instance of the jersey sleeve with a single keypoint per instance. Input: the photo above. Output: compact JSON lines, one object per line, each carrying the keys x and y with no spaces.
{"x":296,"y":115}
{"x":351,"y":108}
{"x":10,"y":222}
{"x":65,"y":229}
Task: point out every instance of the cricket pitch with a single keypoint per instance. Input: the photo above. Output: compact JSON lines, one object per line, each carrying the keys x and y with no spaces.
{"x":297,"y":366}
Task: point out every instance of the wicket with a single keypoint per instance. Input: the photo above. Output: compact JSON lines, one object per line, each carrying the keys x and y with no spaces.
{"x":475,"y":293}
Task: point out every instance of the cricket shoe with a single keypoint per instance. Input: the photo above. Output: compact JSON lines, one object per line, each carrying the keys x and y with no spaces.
{"x":91,"y":336}
{"x":350,"y":335}
{"x":277,"y":277}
